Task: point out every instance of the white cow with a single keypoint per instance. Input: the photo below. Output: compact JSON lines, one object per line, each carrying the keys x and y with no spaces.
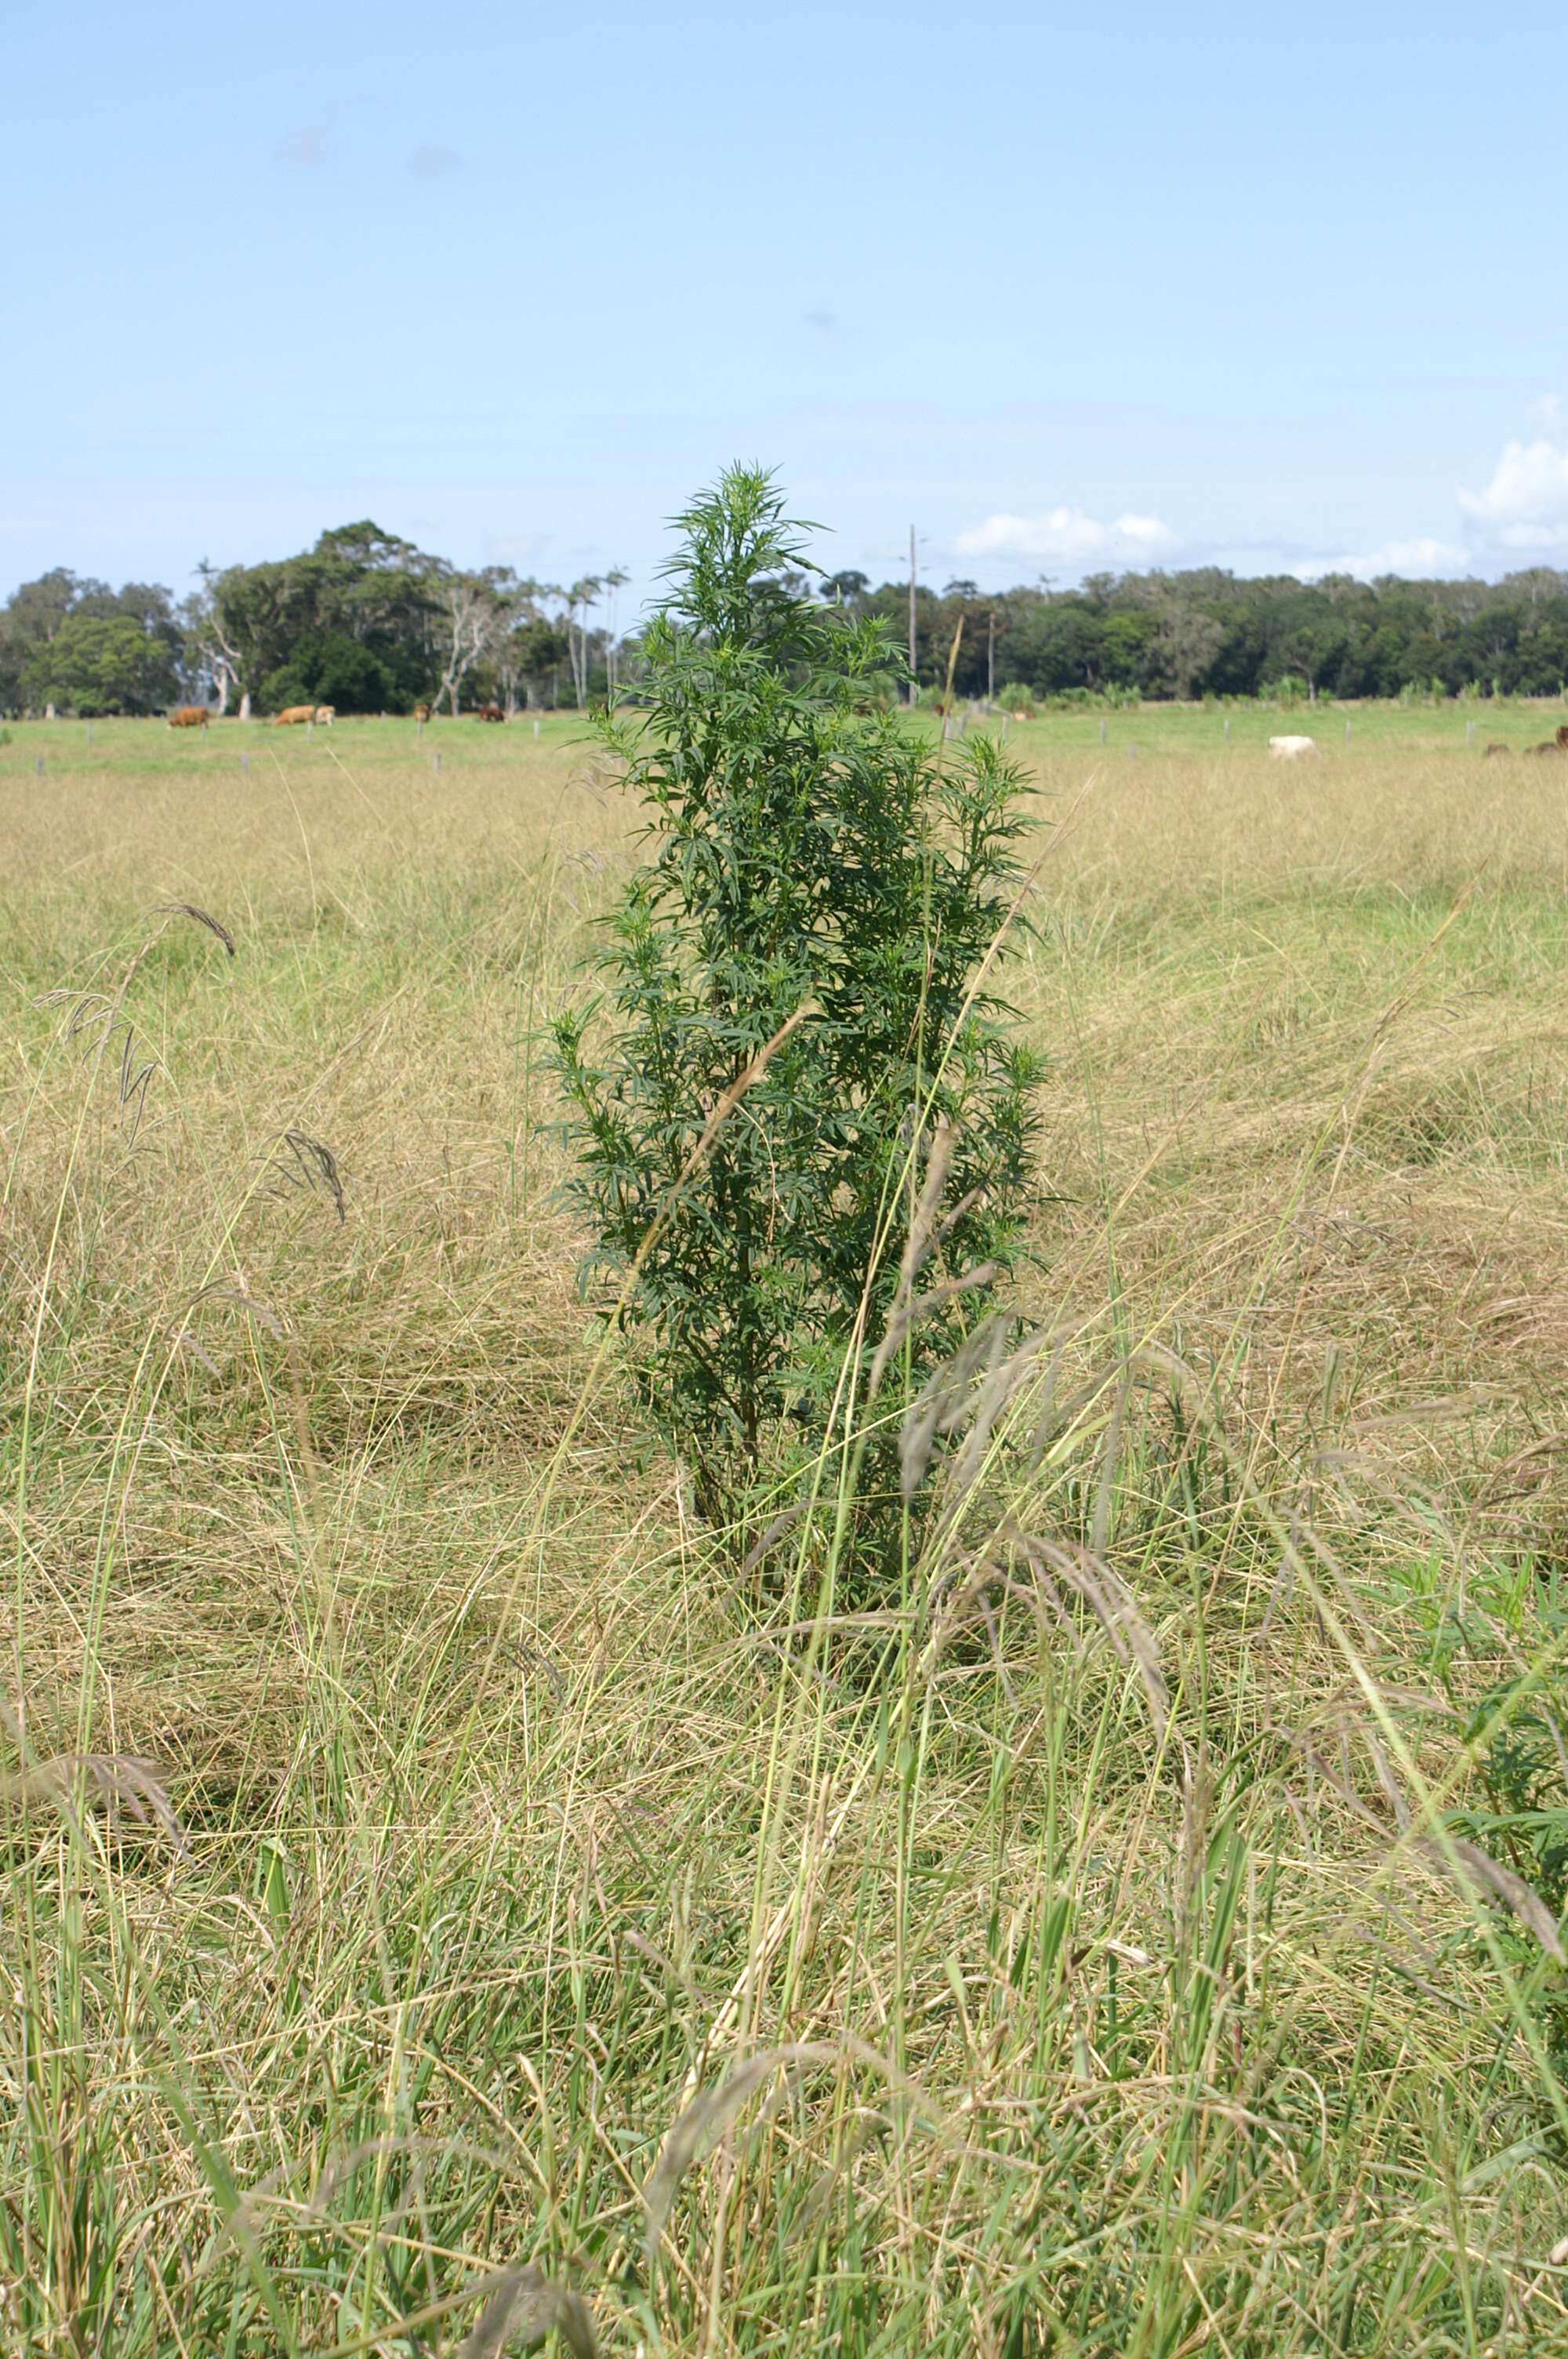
{"x":1291,"y":749}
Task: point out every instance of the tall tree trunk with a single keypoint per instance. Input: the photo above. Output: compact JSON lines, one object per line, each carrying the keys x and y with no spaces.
{"x":912,"y":687}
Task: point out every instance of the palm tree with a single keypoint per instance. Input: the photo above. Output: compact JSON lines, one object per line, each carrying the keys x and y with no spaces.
{"x":580,"y":596}
{"x":614,"y":581}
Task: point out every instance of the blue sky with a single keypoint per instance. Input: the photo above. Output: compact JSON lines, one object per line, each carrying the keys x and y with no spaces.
{"x":1067,"y":287}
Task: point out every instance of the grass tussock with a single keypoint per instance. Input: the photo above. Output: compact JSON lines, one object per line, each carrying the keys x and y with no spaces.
{"x":451,"y":1899}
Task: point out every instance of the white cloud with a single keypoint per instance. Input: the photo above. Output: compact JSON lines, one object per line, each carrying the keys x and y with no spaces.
{"x":1525,"y":505}
{"x":308,"y":147}
{"x":430,"y":163}
{"x":516,"y":547}
{"x":1417,"y":559}
{"x":1547,"y":408}
{"x":1068,"y":536}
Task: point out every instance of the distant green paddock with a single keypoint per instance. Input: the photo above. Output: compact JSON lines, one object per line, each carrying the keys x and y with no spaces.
{"x":1383,"y":728}
{"x":1162,"y":730}
{"x":151,"y":748}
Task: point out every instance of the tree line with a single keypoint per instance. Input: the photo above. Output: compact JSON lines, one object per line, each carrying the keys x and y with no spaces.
{"x":363,"y":621}
{"x":1209,"y":633}
{"x":369,"y":623}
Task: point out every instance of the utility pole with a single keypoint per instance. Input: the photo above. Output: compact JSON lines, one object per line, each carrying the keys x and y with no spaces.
{"x":912,"y":613}
{"x":991,"y":659}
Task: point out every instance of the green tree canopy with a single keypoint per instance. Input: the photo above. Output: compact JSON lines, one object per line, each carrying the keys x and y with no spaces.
{"x":85,"y":648}
{"x":364,"y":620}
{"x":355,"y":622}
{"x":1208,"y":632}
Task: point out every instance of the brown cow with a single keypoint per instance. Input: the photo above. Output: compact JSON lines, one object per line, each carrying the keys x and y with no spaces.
{"x":325,"y":715}
{"x":1558,"y":744}
{"x":292,"y":714}
{"x":421,"y":712}
{"x":489,"y":712}
{"x":188,"y":716}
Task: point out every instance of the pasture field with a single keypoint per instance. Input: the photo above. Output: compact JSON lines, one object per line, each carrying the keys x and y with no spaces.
{"x":1198,"y":731}
{"x":1140,"y":1978}
{"x":1187,"y":731}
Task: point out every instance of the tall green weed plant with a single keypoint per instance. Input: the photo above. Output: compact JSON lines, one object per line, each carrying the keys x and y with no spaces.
{"x":811,"y":857}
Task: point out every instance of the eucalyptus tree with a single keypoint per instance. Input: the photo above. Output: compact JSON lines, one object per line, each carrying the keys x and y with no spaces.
{"x":478,"y":611}
{"x":210,"y":646}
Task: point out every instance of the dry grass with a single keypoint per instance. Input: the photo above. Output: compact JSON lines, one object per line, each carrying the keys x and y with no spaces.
{"x":513,"y":1823}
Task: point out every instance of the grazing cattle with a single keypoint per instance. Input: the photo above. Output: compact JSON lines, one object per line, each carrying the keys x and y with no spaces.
{"x":1495,"y":753}
{"x":1291,"y":749}
{"x":421,"y":712}
{"x":489,"y":712}
{"x":1558,"y":744}
{"x":325,"y":715}
{"x":188,"y":716}
{"x":292,"y":714}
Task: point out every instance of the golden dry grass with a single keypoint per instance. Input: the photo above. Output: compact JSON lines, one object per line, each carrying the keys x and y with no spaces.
{"x":511,"y":1819}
